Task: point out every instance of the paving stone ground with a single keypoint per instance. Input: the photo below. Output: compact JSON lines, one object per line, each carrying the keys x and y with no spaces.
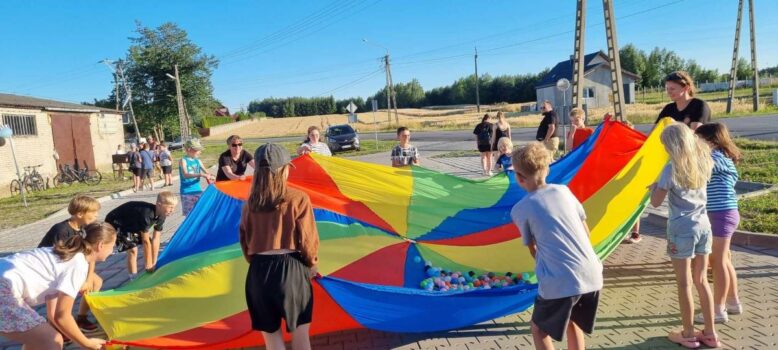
{"x":638,"y":303}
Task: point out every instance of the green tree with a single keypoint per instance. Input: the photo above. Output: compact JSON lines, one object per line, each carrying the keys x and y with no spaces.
{"x":632,"y":59}
{"x":152,"y":55}
{"x":744,"y":71}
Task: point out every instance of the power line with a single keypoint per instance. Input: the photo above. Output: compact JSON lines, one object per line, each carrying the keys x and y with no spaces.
{"x":351,"y":83}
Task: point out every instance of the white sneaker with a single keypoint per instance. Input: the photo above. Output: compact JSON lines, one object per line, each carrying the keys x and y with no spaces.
{"x":734,"y":309}
{"x":718,"y":318}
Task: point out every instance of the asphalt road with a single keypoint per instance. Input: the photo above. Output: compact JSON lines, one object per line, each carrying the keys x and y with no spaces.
{"x":759,"y":128}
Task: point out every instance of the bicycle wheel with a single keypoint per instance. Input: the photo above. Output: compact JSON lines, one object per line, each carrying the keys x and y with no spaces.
{"x":37,"y":182}
{"x":93,"y":177}
{"x":16,"y":187}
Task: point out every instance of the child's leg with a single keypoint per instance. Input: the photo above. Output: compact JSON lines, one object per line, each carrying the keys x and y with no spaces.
{"x":132,"y":260}
{"x":700,"y":276}
{"x":541,"y":339}
{"x":300,"y":338}
{"x":274,"y":341}
{"x":44,"y":336}
{"x":732,"y":296}
{"x":575,"y":337}
{"x":721,"y":279}
{"x":683,"y":277}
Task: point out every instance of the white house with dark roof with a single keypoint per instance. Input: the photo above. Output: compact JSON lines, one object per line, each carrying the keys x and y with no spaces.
{"x":77,"y":133}
{"x":597,"y":82}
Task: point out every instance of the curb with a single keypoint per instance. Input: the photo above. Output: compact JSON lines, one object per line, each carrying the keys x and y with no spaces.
{"x":740,"y":237}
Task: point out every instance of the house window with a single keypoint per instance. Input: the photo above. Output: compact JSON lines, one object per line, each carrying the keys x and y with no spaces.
{"x":22,"y":125}
{"x":588,"y":92}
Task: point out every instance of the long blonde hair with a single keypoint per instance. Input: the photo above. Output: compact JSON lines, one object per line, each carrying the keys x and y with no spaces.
{"x":268,"y":189}
{"x":689,"y":155}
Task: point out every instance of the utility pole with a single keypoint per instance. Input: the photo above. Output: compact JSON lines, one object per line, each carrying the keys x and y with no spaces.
{"x":578,"y":54}
{"x":753,"y":55}
{"x":477,"y":95}
{"x":733,"y":70}
{"x":388,"y":91}
{"x":183,"y":120}
{"x":118,"y":69}
{"x":391,"y":89}
{"x":617,"y":84}
{"x":116,"y":87}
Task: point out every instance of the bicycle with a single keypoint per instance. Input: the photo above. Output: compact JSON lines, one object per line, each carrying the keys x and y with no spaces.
{"x":67,"y":175}
{"x":32,"y":181}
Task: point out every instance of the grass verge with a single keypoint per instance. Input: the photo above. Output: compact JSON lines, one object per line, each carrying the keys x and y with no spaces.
{"x":760,"y":214}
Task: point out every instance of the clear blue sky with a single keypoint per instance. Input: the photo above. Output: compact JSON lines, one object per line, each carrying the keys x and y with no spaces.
{"x":310,"y":48}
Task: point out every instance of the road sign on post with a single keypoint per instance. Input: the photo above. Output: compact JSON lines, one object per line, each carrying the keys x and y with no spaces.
{"x":351,"y":108}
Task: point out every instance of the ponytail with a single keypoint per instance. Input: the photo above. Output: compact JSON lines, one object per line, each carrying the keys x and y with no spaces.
{"x":85,"y":240}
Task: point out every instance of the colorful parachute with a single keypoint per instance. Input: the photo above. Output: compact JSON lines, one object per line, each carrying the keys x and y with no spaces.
{"x":374,"y":221}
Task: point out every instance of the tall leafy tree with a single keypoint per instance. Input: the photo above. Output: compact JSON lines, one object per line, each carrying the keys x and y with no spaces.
{"x":153,"y":54}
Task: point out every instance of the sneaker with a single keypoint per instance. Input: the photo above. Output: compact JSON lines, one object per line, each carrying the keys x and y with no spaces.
{"x":85,"y":324}
{"x":65,"y":340}
{"x":634,"y":237}
{"x":678,"y":338}
{"x":710,"y":340}
{"x":717,"y":318}
{"x":734,"y":309}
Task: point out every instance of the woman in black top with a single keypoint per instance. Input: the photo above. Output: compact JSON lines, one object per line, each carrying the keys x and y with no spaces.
{"x":685,"y":107}
{"x":483,"y":133}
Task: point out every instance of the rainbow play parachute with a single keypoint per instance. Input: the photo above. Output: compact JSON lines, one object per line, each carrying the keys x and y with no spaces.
{"x":376,"y":224}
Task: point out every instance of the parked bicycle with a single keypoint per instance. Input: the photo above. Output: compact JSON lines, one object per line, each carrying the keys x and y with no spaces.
{"x":32,"y":181}
{"x":67,"y":175}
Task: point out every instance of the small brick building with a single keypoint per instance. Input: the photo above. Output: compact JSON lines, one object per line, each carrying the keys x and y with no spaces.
{"x":77,"y":133}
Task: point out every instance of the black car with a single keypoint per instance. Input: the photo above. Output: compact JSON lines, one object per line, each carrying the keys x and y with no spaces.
{"x":342,"y":138}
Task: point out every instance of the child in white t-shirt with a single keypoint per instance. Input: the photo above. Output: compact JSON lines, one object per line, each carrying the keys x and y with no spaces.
{"x":52,"y":275}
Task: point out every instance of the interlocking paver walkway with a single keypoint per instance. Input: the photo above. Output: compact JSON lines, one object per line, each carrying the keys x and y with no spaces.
{"x":638,"y":303}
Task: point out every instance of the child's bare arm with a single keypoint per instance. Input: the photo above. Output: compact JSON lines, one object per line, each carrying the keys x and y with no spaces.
{"x":533,"y":248}
{"x":657,"y":195}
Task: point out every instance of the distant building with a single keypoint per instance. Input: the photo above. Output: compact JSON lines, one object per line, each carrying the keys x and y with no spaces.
{"x":77,"y":133}
{"x":222,"y":111}
{"x":597,"y":82}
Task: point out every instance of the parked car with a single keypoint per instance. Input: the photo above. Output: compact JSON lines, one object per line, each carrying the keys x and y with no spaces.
{"x":176,"y":144}
{"x":342,"y":138}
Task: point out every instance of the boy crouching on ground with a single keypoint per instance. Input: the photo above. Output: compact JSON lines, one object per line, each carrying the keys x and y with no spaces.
{"x":134,"y":222}
{"x":553,"y":227}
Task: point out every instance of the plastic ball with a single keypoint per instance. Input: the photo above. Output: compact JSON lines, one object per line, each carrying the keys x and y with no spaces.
{"x":471,"y":273}
{"x":525,"y":276}
{"x":490,"y":274}
{"x":509,"y":274}
{"x":462,"y":280}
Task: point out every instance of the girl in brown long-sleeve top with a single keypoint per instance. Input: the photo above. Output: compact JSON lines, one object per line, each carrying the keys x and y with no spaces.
{"x":279,"y":239}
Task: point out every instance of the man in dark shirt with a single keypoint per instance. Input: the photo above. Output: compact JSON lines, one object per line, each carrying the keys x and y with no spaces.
{"x":134,"y":221}
{"x":234,"y":161}
{"x":547,"y":130}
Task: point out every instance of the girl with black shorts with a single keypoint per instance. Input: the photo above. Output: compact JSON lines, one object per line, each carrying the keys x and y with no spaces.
{"x":280,"y":242}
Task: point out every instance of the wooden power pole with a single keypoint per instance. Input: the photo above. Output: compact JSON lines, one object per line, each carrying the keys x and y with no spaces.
{"x":733,"y":70}
{"x":182,"y":120}
{"x":755,"y":88}
{"x":477,"y":94}
{"x":388,"y":91}
{"x":391,"y":90}
{"x":578,"y":54}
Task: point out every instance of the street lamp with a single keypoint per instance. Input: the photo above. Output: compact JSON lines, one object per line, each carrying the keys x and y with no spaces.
{"x":364,"y":40}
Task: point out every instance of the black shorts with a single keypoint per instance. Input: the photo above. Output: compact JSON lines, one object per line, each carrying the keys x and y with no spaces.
{"x":552,"y":315}
{"x":484,"y":147}
{"x":126,"y":240}
{"x":136,"y":171}
{"x":167,"y":169}
{"x":278,"y":286}
{"x":146,"y":173}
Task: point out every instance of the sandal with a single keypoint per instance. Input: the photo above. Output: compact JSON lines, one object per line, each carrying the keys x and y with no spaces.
{"x":710,"y":340}
{"x":678,"y":338}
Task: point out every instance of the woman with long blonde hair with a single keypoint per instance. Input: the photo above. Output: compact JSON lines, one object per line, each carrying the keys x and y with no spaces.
{"x":689,"y":237}
{"x":280,"y":242}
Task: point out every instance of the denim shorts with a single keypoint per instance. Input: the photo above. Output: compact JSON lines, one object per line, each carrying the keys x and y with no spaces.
{"x":688,"y":244}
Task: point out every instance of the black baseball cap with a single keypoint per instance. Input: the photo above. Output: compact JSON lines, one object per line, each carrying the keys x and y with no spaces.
{"x":271,"y":155}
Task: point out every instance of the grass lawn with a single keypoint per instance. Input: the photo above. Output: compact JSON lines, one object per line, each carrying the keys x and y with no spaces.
{"x":759,"y":164}
{"x":660,"y":96}
{"x":45,"y":203}
{"x":760,"y":214}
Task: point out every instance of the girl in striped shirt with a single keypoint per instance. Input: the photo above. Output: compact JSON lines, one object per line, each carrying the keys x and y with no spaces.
{"x":724,"y":218}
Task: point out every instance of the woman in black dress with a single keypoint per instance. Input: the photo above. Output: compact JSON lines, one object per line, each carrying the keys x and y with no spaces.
{"x":685,"y":107}
{"x":484,"y":132}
